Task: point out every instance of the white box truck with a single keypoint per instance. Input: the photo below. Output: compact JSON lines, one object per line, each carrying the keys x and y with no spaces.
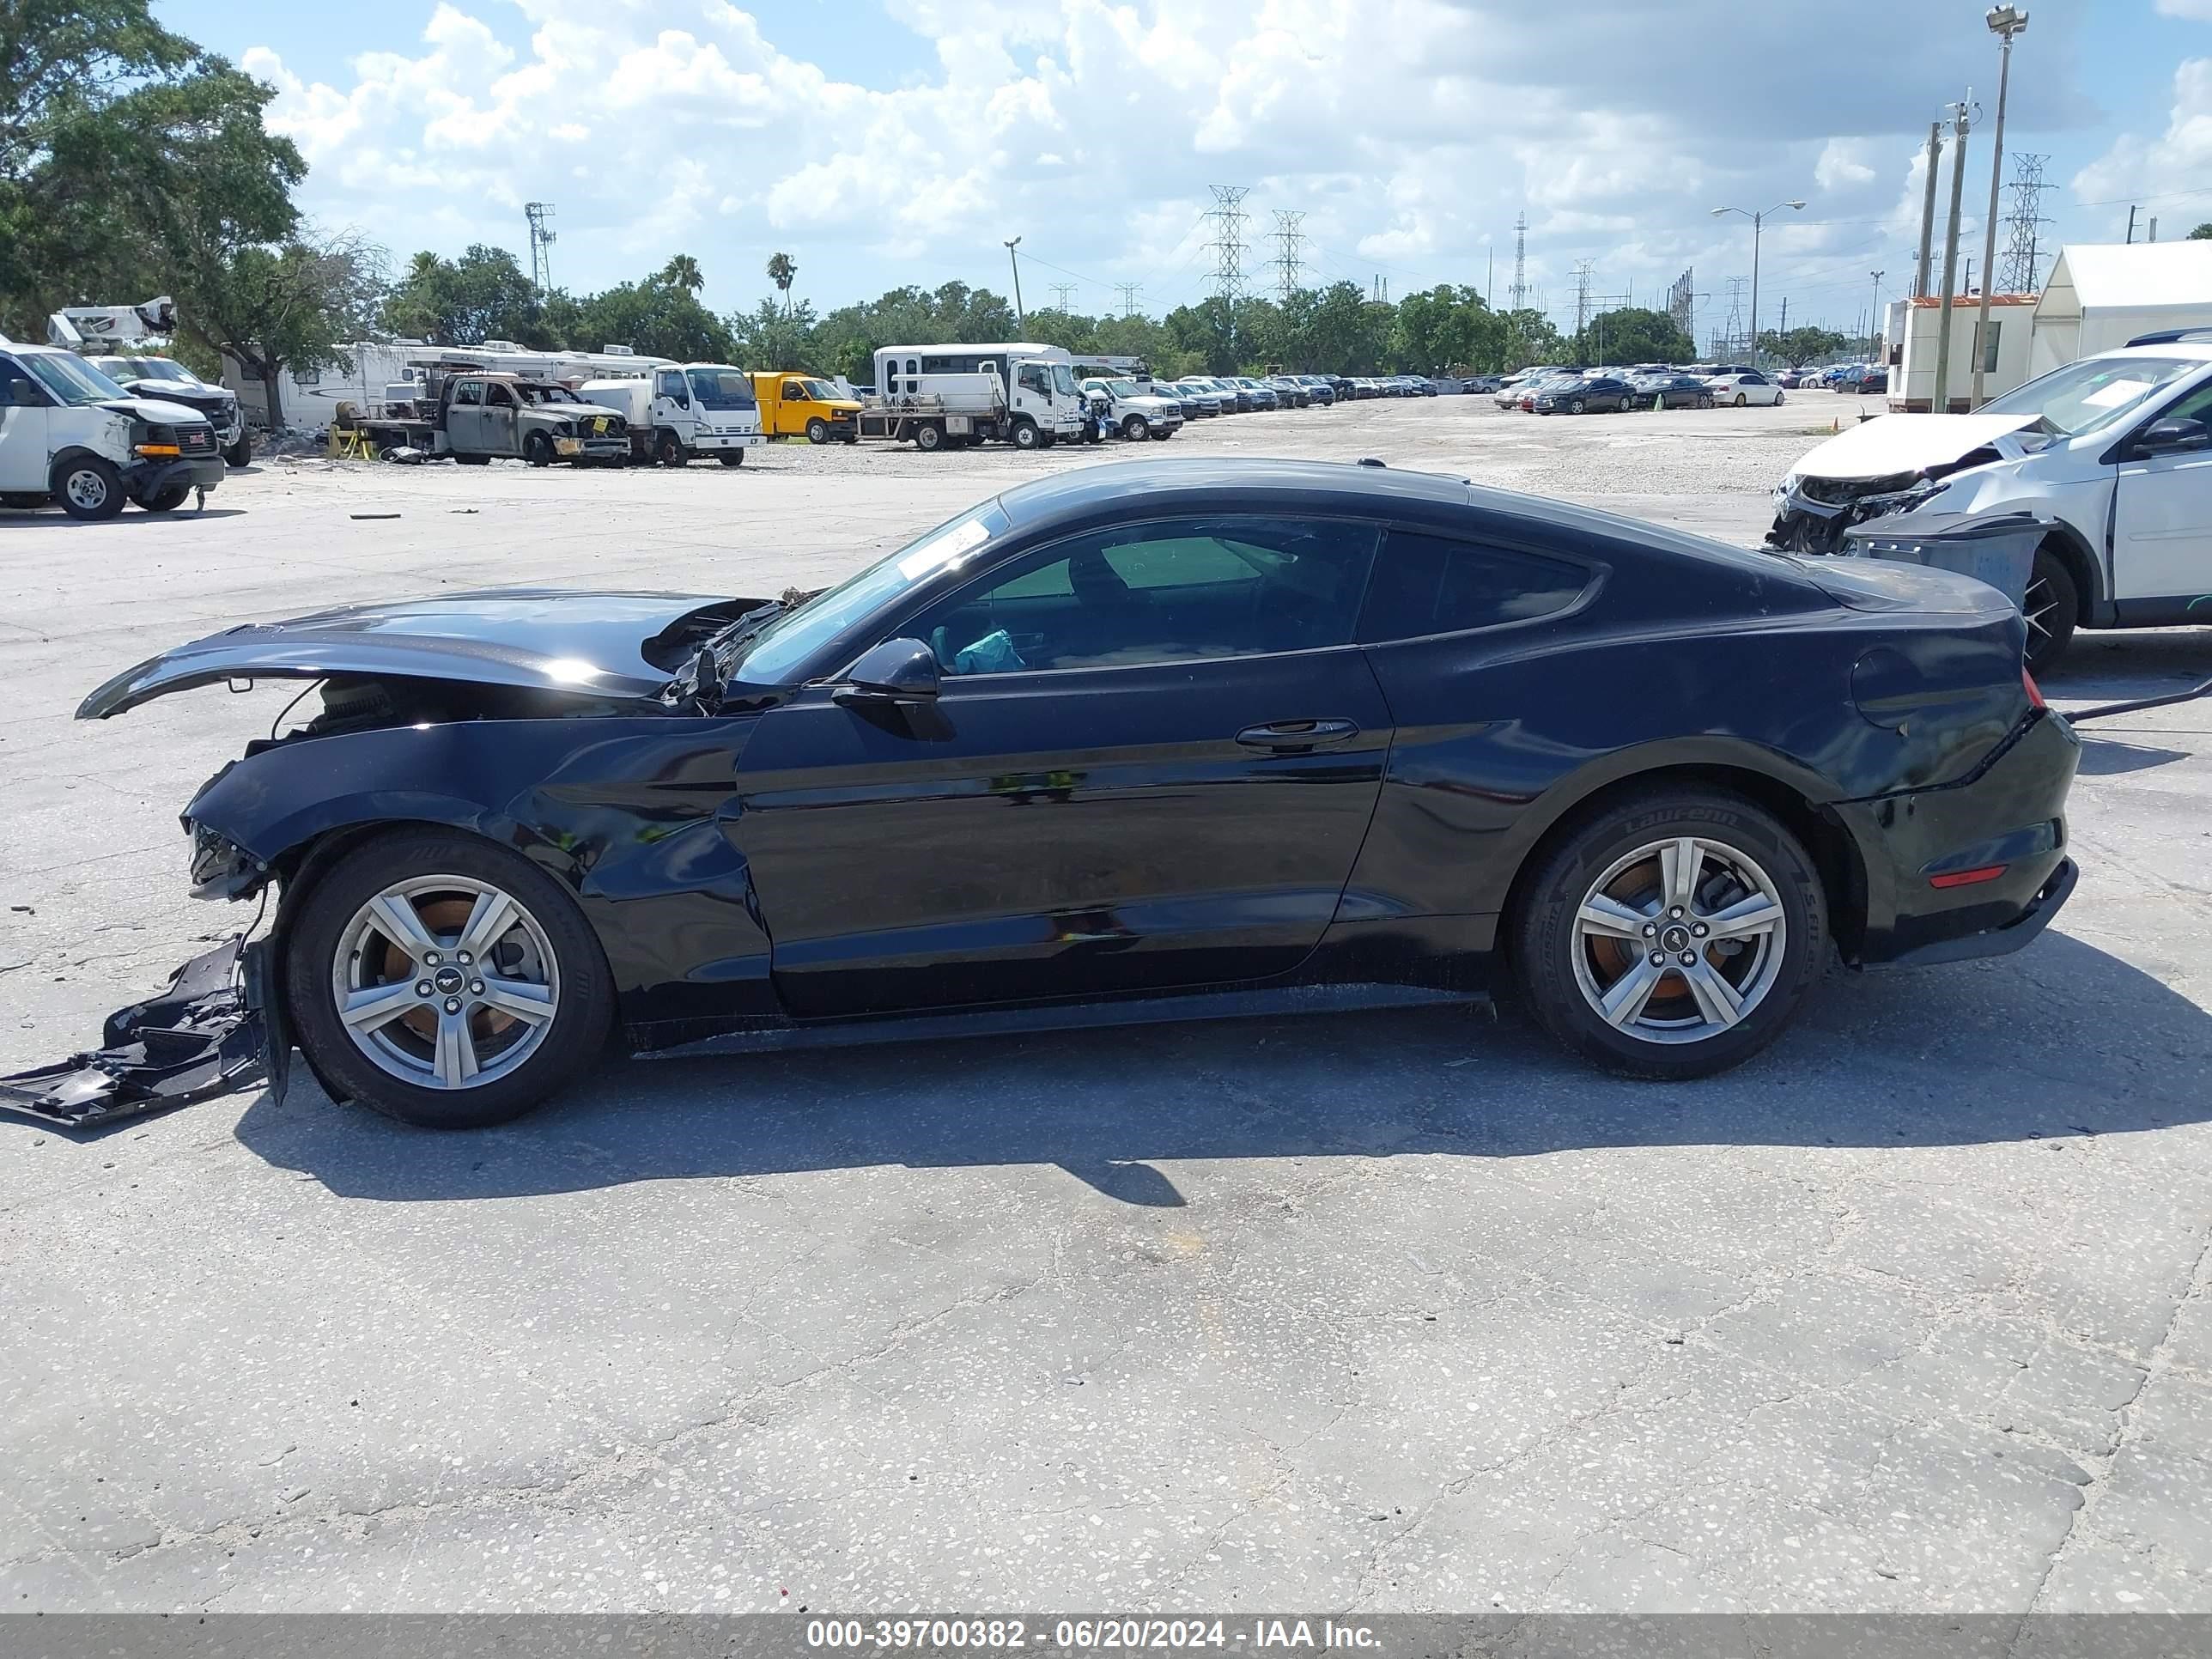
{"x":938,"y":397}
{"x":685,"y":411}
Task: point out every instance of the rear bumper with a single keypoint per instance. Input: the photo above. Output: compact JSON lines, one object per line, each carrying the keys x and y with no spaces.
{"x":2010,"y":814}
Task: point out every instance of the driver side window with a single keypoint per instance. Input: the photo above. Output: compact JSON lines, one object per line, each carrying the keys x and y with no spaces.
{"x":1177,"y":591}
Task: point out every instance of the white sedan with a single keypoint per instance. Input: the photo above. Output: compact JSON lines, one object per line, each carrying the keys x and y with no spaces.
{"x":1749,"y":387}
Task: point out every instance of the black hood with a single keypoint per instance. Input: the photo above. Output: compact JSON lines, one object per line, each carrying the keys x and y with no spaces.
{"x":606,"y":645}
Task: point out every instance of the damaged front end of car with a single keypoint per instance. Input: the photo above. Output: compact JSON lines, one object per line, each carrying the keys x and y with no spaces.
{"x":1895,"y":464}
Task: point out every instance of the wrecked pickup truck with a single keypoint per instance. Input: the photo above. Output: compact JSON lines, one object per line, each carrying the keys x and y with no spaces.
{"x":477,"y":416}
{"x":2111,"y":457}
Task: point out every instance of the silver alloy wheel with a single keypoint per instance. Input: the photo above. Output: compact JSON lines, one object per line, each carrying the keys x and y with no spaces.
{"x":1678,"y":940}
{"x":2038,"y":604}
{"x":446,"y":981}
{"x":86,"y":489}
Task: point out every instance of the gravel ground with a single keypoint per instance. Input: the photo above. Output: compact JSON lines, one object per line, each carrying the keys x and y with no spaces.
{"x":1397,"y":1311}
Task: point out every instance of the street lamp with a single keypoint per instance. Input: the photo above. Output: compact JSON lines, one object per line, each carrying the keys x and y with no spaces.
{"x":2005,"y":22}
{"x":1015,"y":259}
{"x":1758,"y":223}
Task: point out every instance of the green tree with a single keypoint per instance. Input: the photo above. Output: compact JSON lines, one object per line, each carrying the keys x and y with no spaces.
{"x":783,"y":272}
{"x":1531,"y":338}
{"x":295,"y":306}
{"x":483,"y":295}
{"x":656,"y":317}
{"x":681,"y":271}
{"x":1633,"y":335}
{"x":127,"y":156}
{"x":1800,"y":346}
{"x":1448,"y":328}
{"x":773,"y":337}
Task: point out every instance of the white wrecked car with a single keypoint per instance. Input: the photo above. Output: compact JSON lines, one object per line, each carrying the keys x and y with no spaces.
{"x":2111,"y":457}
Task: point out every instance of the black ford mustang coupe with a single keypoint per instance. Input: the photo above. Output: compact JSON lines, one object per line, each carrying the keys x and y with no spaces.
{"x":1141,"y":741}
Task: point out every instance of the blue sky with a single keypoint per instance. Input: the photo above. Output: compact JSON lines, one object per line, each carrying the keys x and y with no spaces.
{"x":885,"y":142}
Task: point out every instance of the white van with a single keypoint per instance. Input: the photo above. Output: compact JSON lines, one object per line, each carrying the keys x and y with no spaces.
{"x":69,"y":435}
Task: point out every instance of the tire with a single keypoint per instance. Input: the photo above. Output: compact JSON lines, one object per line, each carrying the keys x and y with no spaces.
{"x":1704,"y":400}
{"x":1778,"y":400}
{"x":1162,"y":433}
{"x":667,"y":450}
{"x":165,"y":500}
{"x":2053,"y":609}
{"x":538,"y":449}
{"x":1136,"y":426}
{"x":732,"y":457}
{"x":241,"y":453}
{"x":1741,"y":400}
{"x":817,"y":430}
{"x":928,"y":439}
{"x":549,"y":953}
{"x":1569,"y":958}
{"x":1575,"y":407}
{"x":1026,"y":435}
{"x":473,"y":460}
{"x":87,"y":487}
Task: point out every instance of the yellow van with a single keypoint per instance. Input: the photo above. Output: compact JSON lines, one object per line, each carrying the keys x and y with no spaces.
{"x":794,"y":405}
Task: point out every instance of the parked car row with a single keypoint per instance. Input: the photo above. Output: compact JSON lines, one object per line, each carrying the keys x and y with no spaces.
{"x":1545,"y":390}
{"x":1837,"y":377}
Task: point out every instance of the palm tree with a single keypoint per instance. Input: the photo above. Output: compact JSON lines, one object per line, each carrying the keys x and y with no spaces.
{"x":683,"y":271}
{"x":783,"y":272}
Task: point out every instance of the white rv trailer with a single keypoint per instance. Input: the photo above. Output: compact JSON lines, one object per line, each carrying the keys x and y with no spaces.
{"x":373,"y":367}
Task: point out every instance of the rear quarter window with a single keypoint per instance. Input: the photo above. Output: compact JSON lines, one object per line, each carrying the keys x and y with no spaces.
{"x":1426,"y":585}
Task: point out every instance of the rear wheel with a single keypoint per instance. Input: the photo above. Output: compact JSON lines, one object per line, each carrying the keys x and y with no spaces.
{"x":667,"y":450}
{"x":2053,"y":608}
{"x":732,"y":457}
{"x":240,"y":453}
{"x":473,"y":460}
{"x":1672,"y":935}
{"x":929,"y":437}
{"x":87,"y":487}
{"x":165,"y":500}
{"x":444,"y":981}
{"x":1741,"y":400}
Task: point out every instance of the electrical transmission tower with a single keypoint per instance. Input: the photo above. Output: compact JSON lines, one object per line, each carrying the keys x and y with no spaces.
{"x":1060,"y":297}
{"x":1519,"y":291}
{"x":1731,"y":343}
{"x":1130,"y":291}
{"x":2017,"y":274}
{"x":1228,"y":216}
{"x":1583,"y":267}
{"x":1682,"y":305}
{"x":1289,"y":240}
{"x":541,"y":244}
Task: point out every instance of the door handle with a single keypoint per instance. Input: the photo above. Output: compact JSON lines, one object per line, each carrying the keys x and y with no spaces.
{"x":1296,"y":734}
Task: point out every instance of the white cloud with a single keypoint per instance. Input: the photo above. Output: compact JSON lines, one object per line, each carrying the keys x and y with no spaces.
{"x":1410,"y":132}
{"x":2195,"y":11}
{"x":2139,"y":168}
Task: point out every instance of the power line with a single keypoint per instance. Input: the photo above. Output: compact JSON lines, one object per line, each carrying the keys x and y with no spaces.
{"x":1288,"y":239}
{"x":1228,"y":216}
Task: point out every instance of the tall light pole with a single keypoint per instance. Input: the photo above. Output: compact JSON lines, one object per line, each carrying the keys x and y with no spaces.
{"x":1874,"y":323}
{"x":1015,"y":259}
{"x":1939,"y":401}
{"x":1758,"y":224}
{"x":2005,"y":22}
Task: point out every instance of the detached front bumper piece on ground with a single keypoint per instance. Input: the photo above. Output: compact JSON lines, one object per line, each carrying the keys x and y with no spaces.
{"x":200,"y":1037}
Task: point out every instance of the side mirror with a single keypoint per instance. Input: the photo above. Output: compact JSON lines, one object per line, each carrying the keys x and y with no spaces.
{"x":897,"y":670}
{"x":2173,"y":437}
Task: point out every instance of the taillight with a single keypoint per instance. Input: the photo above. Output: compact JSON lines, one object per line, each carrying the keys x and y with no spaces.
{"x":2028,"y":684}
{"x":1968,"y":878}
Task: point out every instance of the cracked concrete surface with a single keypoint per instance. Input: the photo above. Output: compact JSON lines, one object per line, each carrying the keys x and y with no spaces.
{"x":1388,"y":1312}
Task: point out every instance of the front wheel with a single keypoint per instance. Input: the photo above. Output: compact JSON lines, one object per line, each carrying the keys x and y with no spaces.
{"x":444,"y":981}
{"x":1026,"y":435}
{"x":1136,"y":426}
{"x":538,"y":449}
{"x":1705,"y":401}
{"x":1672,"y":935}
{"x":1575,"y":407}
{"x":87,"y":487}
{"x":817,"y":430}
{"x":2053,"y":608}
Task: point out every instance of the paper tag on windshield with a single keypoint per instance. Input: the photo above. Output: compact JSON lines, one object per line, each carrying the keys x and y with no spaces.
{"x":2114,"y":392}
{"x":940,"y":550}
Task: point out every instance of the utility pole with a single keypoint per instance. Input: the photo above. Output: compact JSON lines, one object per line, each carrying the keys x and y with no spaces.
{"x":1519,"y":291}
{"x":1939,"y":401}
{"x":1228,"y":216}
{"x":1129,"y":293}
{"x":1920,"y":288}
{"x":541,"y":245}
{"x":1015,"y":259}
{"x":1873,"y":318}
{"x":1490,"y":280}
{"x":1784,"y":329}
{"x":1288,"y":238}
{"x":1060,"y":291}
{"x":2006,"y":22}
{"x":2021,"y":257}
{"x":2131,"y":227}
{"x":1581,"y":304}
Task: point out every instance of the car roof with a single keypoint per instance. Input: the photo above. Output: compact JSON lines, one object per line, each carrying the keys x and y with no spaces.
{"x":2200,"y":350}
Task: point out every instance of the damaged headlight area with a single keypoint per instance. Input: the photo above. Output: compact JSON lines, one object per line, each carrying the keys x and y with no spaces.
{"x":1811,"y":515}
{"x":222,"y":869}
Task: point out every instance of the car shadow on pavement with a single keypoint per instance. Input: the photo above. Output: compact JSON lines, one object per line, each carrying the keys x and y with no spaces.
{"x":2062,"y":1039}
{"x":2104,"y":758}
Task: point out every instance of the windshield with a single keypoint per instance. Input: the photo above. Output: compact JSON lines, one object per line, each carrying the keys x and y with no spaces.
{"x":722,"y":388}
{"x":157,"y":368}
{"x":1122,"y":388}
{"x":2092,"y":394}
{"x":1063,"y":379}
{"x":822,"y":392}
{"x":777,"y":650}
{"x":71,"y":380}
{"x":545,"y":394}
